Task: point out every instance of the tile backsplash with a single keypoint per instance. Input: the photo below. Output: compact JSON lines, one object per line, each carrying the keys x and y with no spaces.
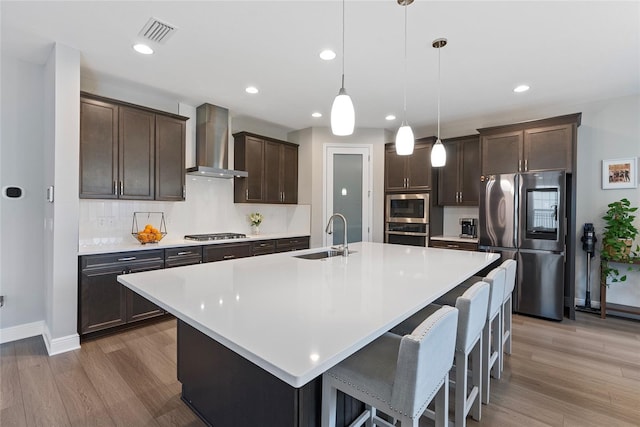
{"x":208,"y":208}
{"x":452,"y":215}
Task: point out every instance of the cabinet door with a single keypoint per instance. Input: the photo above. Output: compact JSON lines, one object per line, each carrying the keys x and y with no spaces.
{"x":448,"y":176}
{"x":289,"y":176}
{"x":98,"y":149}
{"x":136,"y":154}
{"x":292,"y":244}
{"x":263,"y":247}
{"x":548,"y":148}
{"x":254,"y":164}
{"x":419,"y":168}
{"x":394,"y":170}
{"x":170,"y":169}
{"x":102,"y":299}
{"x":501,"y":153}
{"x":138,"y":307}
{"x":175,"y":257}
{"x":272,"y":168}
{"x":470,"y":173}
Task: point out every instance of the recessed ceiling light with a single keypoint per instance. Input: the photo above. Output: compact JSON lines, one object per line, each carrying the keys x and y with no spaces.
{"x":143,"y":49}
{"x":316,"y":114}
{"x":327,"y":54}
{"x":390,"y":117}
{"x":251,"y":89}
{"x":521,"y":88}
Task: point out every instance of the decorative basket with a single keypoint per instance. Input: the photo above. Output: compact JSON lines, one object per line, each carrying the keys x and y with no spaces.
{"x":153,"y":230}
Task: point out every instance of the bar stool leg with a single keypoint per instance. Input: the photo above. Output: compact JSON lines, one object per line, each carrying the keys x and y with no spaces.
{"x":442,"y":404}
{"x":461,"y":388}
{"x":329,"y":397}
{"x":476,"y":378}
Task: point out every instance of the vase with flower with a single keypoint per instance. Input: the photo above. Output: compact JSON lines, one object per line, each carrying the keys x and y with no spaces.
{"x":256,"y":219}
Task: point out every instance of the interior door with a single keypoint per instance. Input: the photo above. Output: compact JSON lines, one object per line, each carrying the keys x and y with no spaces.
{"x":347,"y":191}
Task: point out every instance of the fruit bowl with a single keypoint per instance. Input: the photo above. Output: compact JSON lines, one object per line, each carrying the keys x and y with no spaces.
{"x":154,"y":228}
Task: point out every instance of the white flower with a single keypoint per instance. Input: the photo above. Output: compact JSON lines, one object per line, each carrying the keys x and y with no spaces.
{"x":256,"y":218}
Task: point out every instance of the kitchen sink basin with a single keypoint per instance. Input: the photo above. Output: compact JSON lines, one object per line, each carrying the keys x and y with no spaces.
{"x":322,"y":254}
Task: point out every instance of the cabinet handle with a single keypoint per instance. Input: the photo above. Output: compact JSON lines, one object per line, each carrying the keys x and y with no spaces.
{"x":129,"y":258}
{"x":246,"y":194}
{"x":461,"y":197}
{"x":114,"y":189}
{"x":526,"y":165}
{"x":121,"y":188}
{"x":184,"y":191}
{"x":452,"y":246}
{"x":519,"y":165}
{"x":262,"y":245}
{"x":228,"y":257}
{"x":184,"y":253}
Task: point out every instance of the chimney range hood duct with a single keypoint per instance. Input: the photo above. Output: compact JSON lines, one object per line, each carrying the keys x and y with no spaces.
{"x":212,"y":143}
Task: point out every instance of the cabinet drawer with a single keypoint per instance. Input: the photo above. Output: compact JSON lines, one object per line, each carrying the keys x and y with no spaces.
{"x":263,"y":247}
{"x":454,"y":244}
{"x":176,"y":257}
{"x":292,"y":244}
{"x":226,"y":251}
{"x":120,"y":258}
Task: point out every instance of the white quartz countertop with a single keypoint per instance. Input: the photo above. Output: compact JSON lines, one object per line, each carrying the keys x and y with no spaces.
{"x":131,"y":244}
{"x":295,"y":317}
{"x":456,"y":239}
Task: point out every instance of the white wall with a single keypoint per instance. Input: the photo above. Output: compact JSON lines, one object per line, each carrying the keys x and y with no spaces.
{"x":62,"y":153}
{"x":311,"y":181}
{"x":22,"y":220}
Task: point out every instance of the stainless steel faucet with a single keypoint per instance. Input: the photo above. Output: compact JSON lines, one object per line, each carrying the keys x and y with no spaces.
{"x":329,"y":230}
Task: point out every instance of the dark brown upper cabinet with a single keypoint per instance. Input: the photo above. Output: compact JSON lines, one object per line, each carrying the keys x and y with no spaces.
{"x":529,"y":147}
{"x":408,"y":173}
{"x":130,"y":152}
{"x":272,"y":166}
{"x":170,"y":153}
{"x":459,"y":178}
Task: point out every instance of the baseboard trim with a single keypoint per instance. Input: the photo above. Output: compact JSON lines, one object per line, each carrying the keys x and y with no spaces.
{"x":60,"y":345}
{"x":19,"y":332}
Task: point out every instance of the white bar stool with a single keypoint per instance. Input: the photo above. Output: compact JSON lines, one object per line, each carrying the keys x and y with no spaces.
{"x":472,"y":306}
{"x":398,"y":375}
{"x":510,"y":267}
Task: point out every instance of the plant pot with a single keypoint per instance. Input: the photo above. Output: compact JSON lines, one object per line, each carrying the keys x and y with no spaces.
{"x":255,"y":229}
{"x":615,"y":253}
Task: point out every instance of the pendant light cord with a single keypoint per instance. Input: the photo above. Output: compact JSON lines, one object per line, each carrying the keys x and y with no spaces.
{"x":343,"y":1}
{"x":439,"y":48}
{"x":405,"y":64}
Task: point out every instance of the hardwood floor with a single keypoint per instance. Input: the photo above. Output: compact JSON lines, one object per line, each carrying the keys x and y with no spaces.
{"x":572,"y":373}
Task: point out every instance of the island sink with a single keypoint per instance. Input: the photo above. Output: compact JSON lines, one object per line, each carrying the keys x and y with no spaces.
{"x":327,"y":253}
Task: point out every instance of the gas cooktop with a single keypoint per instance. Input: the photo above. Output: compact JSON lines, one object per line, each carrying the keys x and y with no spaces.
{"x":214,"y":236}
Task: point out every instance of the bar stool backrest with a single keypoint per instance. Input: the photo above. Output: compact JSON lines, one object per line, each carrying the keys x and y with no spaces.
{"x":424,"y":359}
{"x":496,"y":279}
{"x":472,"y":307}
{"x":510,"y":279}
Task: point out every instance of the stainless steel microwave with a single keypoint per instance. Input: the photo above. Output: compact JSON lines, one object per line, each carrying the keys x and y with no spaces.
{"x":407,"y":208}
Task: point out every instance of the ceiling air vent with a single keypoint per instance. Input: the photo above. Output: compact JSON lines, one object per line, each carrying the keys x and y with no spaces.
{"x":157,"y":31}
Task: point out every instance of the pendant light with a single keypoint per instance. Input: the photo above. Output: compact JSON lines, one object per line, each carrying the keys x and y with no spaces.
{"x":343,"y":116}
{"x":404,"y":137}
{"x":438,"y":153}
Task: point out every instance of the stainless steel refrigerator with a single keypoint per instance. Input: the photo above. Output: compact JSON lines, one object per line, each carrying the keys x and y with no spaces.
{"x":523,"y":217}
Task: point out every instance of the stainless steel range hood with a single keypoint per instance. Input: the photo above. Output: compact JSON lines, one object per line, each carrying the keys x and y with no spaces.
{"x":212,"y":143}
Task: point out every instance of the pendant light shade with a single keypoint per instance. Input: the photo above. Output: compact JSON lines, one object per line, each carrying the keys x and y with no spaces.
{"x":343,"y":115}
{"x":438,"y":153}
{"x":404,"y":140}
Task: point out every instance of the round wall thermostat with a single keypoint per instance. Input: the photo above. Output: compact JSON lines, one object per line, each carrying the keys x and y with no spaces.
{"x":12,"y":192}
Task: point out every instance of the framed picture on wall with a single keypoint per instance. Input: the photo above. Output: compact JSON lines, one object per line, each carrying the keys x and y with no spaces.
{"x":619,"y":173}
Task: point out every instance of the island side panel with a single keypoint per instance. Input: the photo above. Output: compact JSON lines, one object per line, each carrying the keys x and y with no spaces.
{"x":226,"y":389}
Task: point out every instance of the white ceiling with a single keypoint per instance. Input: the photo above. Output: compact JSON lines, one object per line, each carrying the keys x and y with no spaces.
{"x":569,"y":52}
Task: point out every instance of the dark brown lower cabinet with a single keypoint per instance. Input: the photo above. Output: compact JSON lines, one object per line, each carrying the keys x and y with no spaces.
{"x":219,"y":385}
{"x":226,"y":251}
{"x":103,"y":302}
{"x":454,"y":244}
{"x":292,"y":244}
{"x":263,"y":247}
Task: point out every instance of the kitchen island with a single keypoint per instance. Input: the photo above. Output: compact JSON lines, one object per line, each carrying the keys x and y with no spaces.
{"x":256,"y":334}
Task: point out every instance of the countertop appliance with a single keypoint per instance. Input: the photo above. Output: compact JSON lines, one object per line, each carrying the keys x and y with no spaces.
{"x":522,"y":216}
{"x":469,"y":228}
{"x":407,"y":219}
{"x":214,"y":236}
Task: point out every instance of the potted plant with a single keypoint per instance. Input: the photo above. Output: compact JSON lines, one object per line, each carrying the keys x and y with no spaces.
{"x":617,"y":239}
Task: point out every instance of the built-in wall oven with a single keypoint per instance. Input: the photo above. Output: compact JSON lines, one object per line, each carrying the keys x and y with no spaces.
{"x":407,"y":219}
